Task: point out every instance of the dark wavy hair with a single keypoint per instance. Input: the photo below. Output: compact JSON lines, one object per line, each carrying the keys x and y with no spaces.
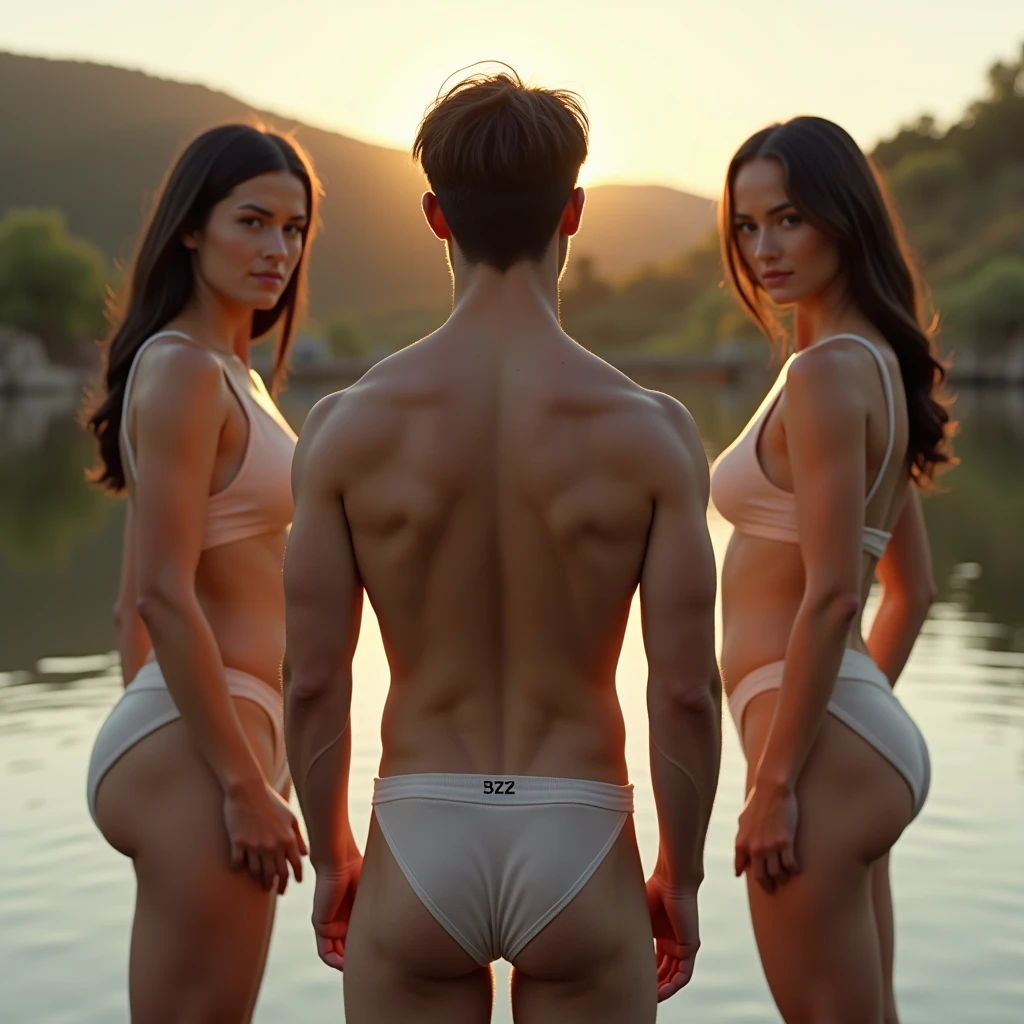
{"x":160,"y":280}
{"x":836,"y":188}
{"x":503,"y":158}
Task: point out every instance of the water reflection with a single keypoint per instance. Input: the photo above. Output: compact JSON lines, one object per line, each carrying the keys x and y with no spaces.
{"x":60,"y":539}
{"x":977,"y":520}
{"x":44,"y":506}
{"x":66,"y":898}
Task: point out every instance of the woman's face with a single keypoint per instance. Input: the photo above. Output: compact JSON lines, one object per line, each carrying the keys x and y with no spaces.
{"x":792,"y":260}
{"x":252,"y":241}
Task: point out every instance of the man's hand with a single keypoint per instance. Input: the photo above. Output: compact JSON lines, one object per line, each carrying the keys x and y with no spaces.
{"x":332,"y":908}
{"x":676,"y":935}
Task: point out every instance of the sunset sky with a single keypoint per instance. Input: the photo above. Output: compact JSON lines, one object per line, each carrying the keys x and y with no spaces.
{"x":672,"y":87}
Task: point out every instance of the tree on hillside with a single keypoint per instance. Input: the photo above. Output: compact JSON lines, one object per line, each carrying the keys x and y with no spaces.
{"x":345,"y":339}
{"x":923,"y":136}
{"x":925,"y":178}
{"x":582,"y":286}
{"x":51,"y":284}
{"x":1006,"y":80}
{"x":992,"y":133}
{"x":989,"y":135}
{"x":988,"y":308}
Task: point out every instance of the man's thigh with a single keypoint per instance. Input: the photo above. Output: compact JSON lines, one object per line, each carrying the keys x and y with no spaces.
{"x":400,"y":964}
{"x":595,"y":961}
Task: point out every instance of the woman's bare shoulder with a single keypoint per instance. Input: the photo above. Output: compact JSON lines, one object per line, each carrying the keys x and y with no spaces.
{"x":179,"y":384}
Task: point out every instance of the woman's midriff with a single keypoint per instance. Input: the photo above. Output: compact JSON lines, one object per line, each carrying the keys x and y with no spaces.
{"x":762,"y":589}
{"x":241,"y":591}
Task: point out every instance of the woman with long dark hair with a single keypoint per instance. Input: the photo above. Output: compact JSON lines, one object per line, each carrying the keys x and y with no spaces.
{"x":188,"y":775}
{"x":822,"y":490}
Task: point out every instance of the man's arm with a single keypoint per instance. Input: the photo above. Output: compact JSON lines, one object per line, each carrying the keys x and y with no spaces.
{"x":684,"y":692}
{"x":323,"y":597}
{"x":677,"y":600}
{"x":324,"y":600}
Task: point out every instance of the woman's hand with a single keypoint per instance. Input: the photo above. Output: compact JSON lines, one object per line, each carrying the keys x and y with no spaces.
{"x":766,"y":838}
{"x":264,"y":834}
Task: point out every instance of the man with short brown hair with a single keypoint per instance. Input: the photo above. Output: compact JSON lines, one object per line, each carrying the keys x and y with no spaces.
{"x":500,"y":493}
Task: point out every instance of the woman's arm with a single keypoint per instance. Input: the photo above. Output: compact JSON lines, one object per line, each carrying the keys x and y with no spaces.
{"x":825,"y":426}
{"x":178,"y":423}
{"x":180,"y":413}
{"x":132,"y":638}
{"x":908,"y":589}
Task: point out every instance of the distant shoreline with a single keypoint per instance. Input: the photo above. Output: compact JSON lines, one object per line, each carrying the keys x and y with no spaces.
{"x":730,"y":370}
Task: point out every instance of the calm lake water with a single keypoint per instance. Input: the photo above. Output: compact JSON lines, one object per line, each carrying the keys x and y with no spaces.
{"x":66,"y":898}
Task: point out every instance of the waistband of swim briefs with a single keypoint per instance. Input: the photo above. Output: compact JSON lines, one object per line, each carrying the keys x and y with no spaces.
{"x":855,"y":667}
{"x":503,"y":790}
{"x":240,"y":684}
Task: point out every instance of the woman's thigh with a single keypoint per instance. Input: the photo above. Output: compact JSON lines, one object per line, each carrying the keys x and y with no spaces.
{"x":817,"y":933}
{"x":818,"y":944}
{"x":201,"y":929}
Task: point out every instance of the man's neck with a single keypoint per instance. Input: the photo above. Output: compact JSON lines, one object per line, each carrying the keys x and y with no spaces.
{"x":526,"y":292}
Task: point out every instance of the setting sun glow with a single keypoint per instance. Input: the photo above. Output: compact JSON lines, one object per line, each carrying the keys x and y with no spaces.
{"x":672,"y":87}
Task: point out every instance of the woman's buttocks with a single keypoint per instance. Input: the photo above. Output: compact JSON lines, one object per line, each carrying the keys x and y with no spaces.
{"x":762,"y":587}
{"x":241,"y":590}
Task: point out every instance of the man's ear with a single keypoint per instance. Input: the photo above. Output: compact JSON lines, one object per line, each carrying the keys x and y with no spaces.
{"x":572,"y":215}
{"x":435,"y":218}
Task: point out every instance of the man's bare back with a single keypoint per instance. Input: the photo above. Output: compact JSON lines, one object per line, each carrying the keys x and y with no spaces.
{"x":500,"y":494}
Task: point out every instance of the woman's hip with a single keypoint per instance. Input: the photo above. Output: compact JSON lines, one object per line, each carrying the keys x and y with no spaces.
{"x":147,"y":708}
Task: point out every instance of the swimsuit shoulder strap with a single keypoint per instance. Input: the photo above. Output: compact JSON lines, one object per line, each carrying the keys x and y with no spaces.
{"x":890,"y":405}
{"x":128,"y":390}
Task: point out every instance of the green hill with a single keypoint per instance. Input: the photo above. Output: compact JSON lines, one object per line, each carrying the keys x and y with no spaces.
{"x":961,"y":193}
{"x":626,"y":227}
{"x":94,"y":141}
